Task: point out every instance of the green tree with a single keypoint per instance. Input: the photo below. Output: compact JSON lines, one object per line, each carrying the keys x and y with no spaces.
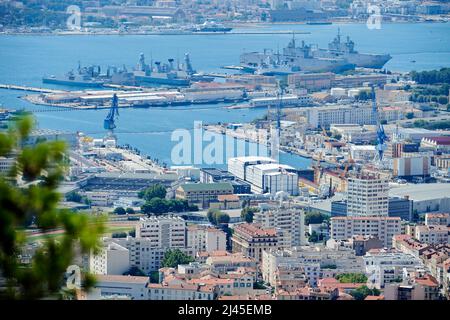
{"x":120,"y":211}
{"x":352,"y":278}
{"x":74,"y":197}
{"x":155,"y":191}
{"x":119,"y":235}
{"x":217,"y":217}
{"x":247,"y":214}
{"x":155,"y":206}
{"x":172,"y":258}
{"x":42,"y":167}
{"x":315,"y":218}
{"x":314,"y":237}
{"x":134,"y":271}
{"x":362,"y":292}
{"x":409,"y":115}
{"x":130,"y":211}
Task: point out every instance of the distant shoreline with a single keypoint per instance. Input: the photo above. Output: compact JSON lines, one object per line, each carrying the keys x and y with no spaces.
{"x":236,"y":26}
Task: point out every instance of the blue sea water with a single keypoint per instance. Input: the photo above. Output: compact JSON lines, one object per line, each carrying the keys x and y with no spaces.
{"x":25,"y":59}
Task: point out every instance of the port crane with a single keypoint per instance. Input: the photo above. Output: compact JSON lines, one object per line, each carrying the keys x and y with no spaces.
{"x":109,"y":122}
{"x":381,"y":135}
{"x":274,"y":133}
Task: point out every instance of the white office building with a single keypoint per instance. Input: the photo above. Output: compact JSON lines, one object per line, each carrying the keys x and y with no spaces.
{"x":111,"y":286}
{"x":383,"y":228}
{"x":385,"y":266}
{"x":163,"y":232}
{"x":367,"y":195}
{"x":289,"y":219}
{"x":318,"y":262}
{"x":113,"y":259}
{"x":318,"y":117}
{"x":206,"y":239}
{"x":237,"y":166}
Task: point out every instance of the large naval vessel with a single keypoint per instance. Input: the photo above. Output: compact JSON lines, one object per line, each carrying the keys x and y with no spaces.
{"x":346,"y":50}
{"x":339,"y":57}
{"x":168,"y":73}
{"x":156,"y":73}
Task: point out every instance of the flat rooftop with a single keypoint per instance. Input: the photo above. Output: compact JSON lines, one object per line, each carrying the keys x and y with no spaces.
{"x":422,"y":192}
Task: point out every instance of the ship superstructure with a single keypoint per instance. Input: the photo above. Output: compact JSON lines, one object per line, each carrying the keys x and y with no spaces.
{"x":340,"y":56}
{"x":338,"y":48}
{"x":292,"y":59}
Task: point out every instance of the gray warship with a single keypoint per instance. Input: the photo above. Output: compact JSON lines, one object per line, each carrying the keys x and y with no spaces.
{"x":339,"y":57}
{"x":167,"y":73}
{"x":346,"y":50}
{"x":292,"y":59}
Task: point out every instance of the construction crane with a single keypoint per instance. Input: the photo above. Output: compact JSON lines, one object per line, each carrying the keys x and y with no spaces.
{"x":275,"y":136}
{"x":108,"y":123}
{"x":381,"y":135}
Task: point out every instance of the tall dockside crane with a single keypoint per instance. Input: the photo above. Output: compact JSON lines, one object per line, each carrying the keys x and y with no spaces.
{"x":276,"y":133}
{"x":109,"y":123}
{"x":381,"y":135}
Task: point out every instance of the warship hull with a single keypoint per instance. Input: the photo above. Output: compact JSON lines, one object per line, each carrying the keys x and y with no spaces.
{"x":162,"y":81}
{"x":361,"y":60}
{"x":75,"y":82}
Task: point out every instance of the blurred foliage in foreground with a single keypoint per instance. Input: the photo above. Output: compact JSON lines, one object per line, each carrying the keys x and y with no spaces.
{"x":28,"y":194}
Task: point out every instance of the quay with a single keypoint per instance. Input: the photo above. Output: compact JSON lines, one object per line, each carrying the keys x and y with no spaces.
{"x":30,"y":89}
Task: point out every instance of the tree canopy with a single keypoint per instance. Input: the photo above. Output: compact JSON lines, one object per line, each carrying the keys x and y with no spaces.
{"x":120,"y":211}
{"x":172,"y":258}
{"x":432,"y":76}
{"x":362,"y":292}
{"x":217,"y":217}
{"x":41,"y":168}
{"x":247,"y":214}
{"x":159,"y":206}
{"x":315,"y":218}
{"x":352,"y":278}
{"x":155,"y":191}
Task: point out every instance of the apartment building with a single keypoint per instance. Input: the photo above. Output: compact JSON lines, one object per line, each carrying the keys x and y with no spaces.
{"x":206,"y":239}
{"x":383,"y":228}
{"x":311,"y":81}
{"x":163,"y":231}
{"x":308,"y":293}
{"x":384,"y":266}
{"x":201,"y":194}
{"x":316,"y":262}
{"x":264,"y":174}
{"x":437,"y":219}
{"x":420,"y":288}
{"x":252,"y":239}
{"x":113,"y":259}
{"x":223,"y":261}
{"x":110,"y":286}
{"x":6,"y":164}
{"x":367,"y":195}
{"x":238,"y":166}
{"x":432,"y":234}
{"x":180,"y":291}
{"x":289,"y":219}
{"x":154,"y":236}
{"x":318,"y":117}
{"x":145,"y":255}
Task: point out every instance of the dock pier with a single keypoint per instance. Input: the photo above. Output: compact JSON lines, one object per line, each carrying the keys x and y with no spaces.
{"x":30,"y":89}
